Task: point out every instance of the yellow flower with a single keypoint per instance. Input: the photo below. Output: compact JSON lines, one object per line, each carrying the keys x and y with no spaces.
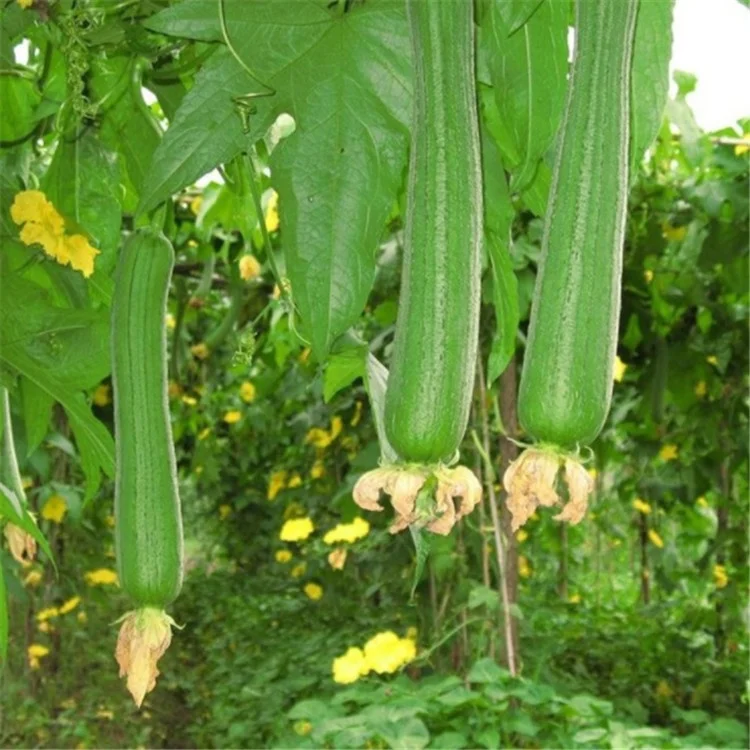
{"x":675,"y":234}
{"x":336,"y":426}
{"x":33,"y":578}
{"x":70,"y":605}
{"x":712,"y":360}
{"x":386,"y":652}
{"x":54,"y":509}
{"x":641,"y":506}
{"x":102,"y":395}
{"x":318,"y":437}
{"x":33,"y":208}
{"x":701,"y":389}
{"x":189,"y":400}
{"x":299,"y":570}
{"x":169,"y":321}
{"x":656,"y":540}
{"x":318,"y":470}
{"x":313,"y":591}
{"x":574,"y":598}
{"x":45,"y":627}
{"x":195,"y":204}
{"x":522,"y":535}
{"x":294,"y":481}
{"x":721,"y":579}
{"x":618,"y":372}
{"x":668,"y":452}
{"x":276,"y":484}
{"x":249,"y":267}
{"x":35,"y":652}
{"x":739,"y":149}
{"x":283,"y":556}
{"x":702,"y":502}
{"x":204,"y":433}
{"x":232,"y":417}
{"x":296,"y":530}
{"x":25,"y":3}
{"x":247,"y":392}
{"x":350,"y":667}
{"x":199,"y":351}
{"x":78,"y":252}
{"x":47,"y":614}
{"x":101,"y":576}
{"x":271,"y":216}
{"x":524,"y":569}
{"x":337,"y":558}
{"x":348,"y":532}
{"x":225,"y":511}
{"x":302,"y":728}
{"x":663,"y":690}
{"x":357,"y":414}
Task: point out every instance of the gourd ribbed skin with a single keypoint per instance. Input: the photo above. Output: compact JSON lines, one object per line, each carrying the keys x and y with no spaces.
{"x":566,"y":385}
{"x":432,"y":370}
{"x":148,"y":529}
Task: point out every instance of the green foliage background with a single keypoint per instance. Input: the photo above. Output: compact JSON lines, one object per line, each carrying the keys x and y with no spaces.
{"x":628,"y":633}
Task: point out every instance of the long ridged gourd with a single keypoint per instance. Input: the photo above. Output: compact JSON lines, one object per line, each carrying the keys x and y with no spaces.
{"x":148,"y":528}
{"x":432,"y":370}
{"x":566,"y":385}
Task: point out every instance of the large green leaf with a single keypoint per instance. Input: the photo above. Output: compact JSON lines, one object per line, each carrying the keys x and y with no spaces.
{"x":37,"y":406}
{"x":528,"y":70}
{"x":206,"y":129}
{"x":499,"y":214}
{"x":345,"y":77}
{"x":71,"y":344}
{"x":127,"y":127}
{"x":19,"y":98}
{"x":650,"y":76}
{"x":83,"y":182}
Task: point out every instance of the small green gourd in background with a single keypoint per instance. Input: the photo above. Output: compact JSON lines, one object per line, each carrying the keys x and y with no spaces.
{"x":566,"y":383}
{"x":148,"y":525}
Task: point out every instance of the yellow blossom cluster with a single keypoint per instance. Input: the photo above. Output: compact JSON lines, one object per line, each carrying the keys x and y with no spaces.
{"x":280,"y":480}
{"x":348,"y":532}
{"x":233,"y":416}
{"x":102,"y":395}
{"x":249,"y":267}
{"x":247,"y":392}
{"x":283,"y":556}
{"x":641,"y":506}
{"x":384,"y":653}
{"x":524,"y":569}
{"x":200,"y":350}
{"x":618,"y":372}
{"x":721,"y":579}
{"x":54,"y":509}
{"x":43,"y":225}
{"x":271,"y":214}
{"x":313,"y":591}
{"x":655,"y":539}
{"x":101,"y":577}
{"x":321,"y":438}
{"x":669,"y":452}
{"x":35,"y":652}
{"x":296,"y":530}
